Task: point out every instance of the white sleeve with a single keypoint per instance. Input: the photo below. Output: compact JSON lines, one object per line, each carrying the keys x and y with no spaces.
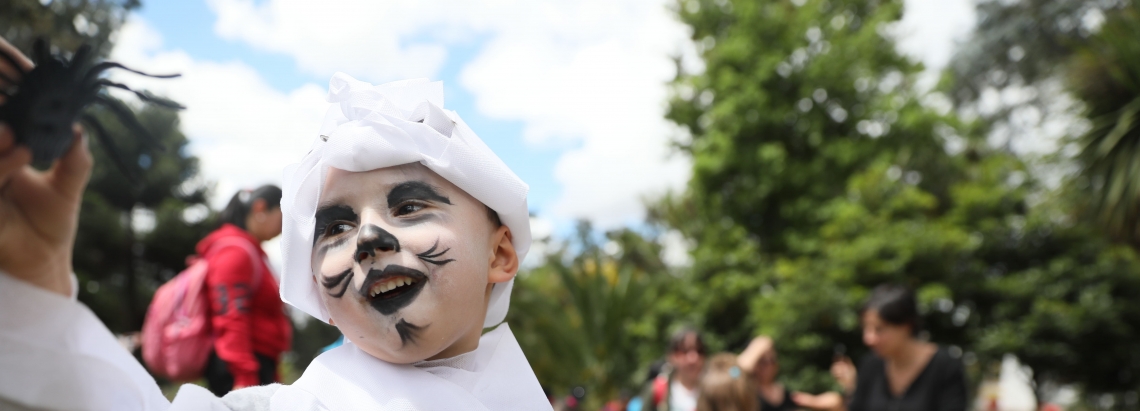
{"x":56,"y":354}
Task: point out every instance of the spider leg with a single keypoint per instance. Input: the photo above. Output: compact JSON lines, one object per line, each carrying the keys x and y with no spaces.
{"x":107,"y":65}
{"x":126,"y":116}
{"x":108,"y":145}
{"x":40,"y":51}
{"x":80,"y":59}
{"x":81,"y":54}
{"x":144,"y":96}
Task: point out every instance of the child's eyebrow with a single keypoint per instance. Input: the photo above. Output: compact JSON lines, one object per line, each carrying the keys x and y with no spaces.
{"x":415,"y":190}
{"x":329,"y":213}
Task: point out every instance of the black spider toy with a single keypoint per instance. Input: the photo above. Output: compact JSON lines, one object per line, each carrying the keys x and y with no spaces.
{"x":45,"y":101}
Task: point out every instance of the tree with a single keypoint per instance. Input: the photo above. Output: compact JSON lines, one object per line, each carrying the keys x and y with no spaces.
{"x":134,"y":235}
{"x":67,"y":23}
{"x":582,"y":317}
{"x":819,"y":171}
{"x":1105,"y":76}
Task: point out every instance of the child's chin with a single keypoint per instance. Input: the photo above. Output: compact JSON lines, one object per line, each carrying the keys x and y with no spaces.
{"x":396,"y":354}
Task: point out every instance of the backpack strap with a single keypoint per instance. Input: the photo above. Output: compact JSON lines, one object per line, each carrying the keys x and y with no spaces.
{"x":254,"y":256}
{"x":660,"y":389}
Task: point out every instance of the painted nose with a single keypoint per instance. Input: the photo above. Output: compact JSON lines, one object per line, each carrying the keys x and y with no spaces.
{"x":373,"y":239}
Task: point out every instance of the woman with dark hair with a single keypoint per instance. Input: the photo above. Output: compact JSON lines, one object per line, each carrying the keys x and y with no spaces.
{"x":247,"y":315}
{"x":904,"y":373}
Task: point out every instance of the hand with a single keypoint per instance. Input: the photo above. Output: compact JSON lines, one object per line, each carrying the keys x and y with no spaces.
{"x":39,"y":212}
{"x":756,"y":349}
{"x":7,"y":69}
{"x":844,"y":372}
{"x":825,"y":401}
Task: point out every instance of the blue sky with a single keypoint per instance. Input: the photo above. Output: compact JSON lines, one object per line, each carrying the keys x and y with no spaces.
{"x":187,"y":25}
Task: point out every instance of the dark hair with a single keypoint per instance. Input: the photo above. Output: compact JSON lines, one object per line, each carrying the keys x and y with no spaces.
{"x":237,"y":210}
{"x":494,"y":217}
{"x":896,"y":305}
{"x":677,"y":341}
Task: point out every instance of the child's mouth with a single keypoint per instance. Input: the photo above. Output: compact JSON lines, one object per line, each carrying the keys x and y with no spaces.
{"x":392,"y":288}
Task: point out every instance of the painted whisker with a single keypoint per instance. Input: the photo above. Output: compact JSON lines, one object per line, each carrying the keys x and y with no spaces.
{"x":408,"y":332}
{"x":331,"y":282}
{"x":429,"y":257}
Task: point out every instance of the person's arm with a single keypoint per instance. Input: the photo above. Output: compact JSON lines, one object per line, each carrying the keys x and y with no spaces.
{"x":748,"y":358}
{"x":828,"y":401}
{"x":845,"y":375}
{"x":56,"y":354}
{"x":230,"y":291}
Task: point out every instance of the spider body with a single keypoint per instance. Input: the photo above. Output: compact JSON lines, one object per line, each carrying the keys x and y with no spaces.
{"x":47,"y":100}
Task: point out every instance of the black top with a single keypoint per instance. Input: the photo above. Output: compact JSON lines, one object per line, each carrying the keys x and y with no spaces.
{"x":941,"y":386}
{"x":787,"y":405}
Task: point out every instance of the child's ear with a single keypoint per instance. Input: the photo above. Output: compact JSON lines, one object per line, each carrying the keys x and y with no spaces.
{"x":504,"y":263}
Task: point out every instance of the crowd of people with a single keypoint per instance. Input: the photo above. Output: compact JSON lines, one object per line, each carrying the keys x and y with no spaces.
{"x":902,"y":373}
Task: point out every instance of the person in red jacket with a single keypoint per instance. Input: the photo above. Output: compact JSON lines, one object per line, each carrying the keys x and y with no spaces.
{"x":247,"y":315}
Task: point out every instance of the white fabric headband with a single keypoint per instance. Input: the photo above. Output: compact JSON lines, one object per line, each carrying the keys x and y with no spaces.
{"x":370,"y":127}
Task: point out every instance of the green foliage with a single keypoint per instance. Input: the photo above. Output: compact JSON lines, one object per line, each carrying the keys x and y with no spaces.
{"x":818,"y":174}
{"x":66,"y":23}
{"x":582,"y":316}
{"x":1105,"y":75}
{"x":119,"y":268}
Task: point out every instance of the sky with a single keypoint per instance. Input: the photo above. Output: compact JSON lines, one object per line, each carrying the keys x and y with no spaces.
{"x":569,"y":93}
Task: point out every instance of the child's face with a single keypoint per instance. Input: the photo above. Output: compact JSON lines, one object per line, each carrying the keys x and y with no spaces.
{"x":401,"y":257}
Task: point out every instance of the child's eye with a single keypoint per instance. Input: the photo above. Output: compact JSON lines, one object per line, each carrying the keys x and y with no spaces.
{"x":337,"y":228}
{"x":408,"y":208}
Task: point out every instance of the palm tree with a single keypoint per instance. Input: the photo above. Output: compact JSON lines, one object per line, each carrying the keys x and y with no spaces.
{"x":1106,"y":76}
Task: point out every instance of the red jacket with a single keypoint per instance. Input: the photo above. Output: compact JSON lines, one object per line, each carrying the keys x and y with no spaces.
{"x":243,"y":324}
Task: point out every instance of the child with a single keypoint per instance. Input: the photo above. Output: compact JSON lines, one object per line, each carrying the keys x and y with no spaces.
{"x":400,"y":227}
{"x":725,"y":387}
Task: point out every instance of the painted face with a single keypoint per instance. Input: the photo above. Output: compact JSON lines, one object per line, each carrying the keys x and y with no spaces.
{"x":401,"y":257}
{"x":882,"y":337}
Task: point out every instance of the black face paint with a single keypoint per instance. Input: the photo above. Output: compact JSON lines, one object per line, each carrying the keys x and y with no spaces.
{"x":415,"y":190}
{"x":327,"y":215}
{"x":408,"y":332}
{"x":373,"y":238}
{"x":428,"y":257}
{"x":332,"y":281}
{"x":393,"y":300}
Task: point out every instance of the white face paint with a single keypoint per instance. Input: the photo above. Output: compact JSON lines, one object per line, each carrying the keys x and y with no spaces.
{"x":401,"y":257}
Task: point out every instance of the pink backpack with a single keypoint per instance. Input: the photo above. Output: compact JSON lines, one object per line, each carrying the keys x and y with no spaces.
{"x":176,"y":335}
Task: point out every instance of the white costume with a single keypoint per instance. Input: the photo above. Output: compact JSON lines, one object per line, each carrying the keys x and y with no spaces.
{"x":55,"y":354}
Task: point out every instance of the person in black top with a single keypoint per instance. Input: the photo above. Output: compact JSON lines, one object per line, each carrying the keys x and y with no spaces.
{"x":905,"y":373}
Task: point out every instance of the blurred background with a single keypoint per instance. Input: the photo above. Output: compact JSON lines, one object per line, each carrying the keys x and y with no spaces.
{"x":742,"y":167}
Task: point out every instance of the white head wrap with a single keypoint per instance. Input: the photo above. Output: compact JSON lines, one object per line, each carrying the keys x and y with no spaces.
{"x":370,"y":127}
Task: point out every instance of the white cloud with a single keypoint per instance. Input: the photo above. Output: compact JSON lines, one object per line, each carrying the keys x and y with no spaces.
{"x":605,"y":88}
{"x":929,"y":31}
{"x":242,"y":130}
{"x":590,"y":72}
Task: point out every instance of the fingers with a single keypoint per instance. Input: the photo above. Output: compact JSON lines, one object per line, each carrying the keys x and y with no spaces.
{"x":70,"y":173}
{"x":12,"y":157}
{"x":12,"y":72}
